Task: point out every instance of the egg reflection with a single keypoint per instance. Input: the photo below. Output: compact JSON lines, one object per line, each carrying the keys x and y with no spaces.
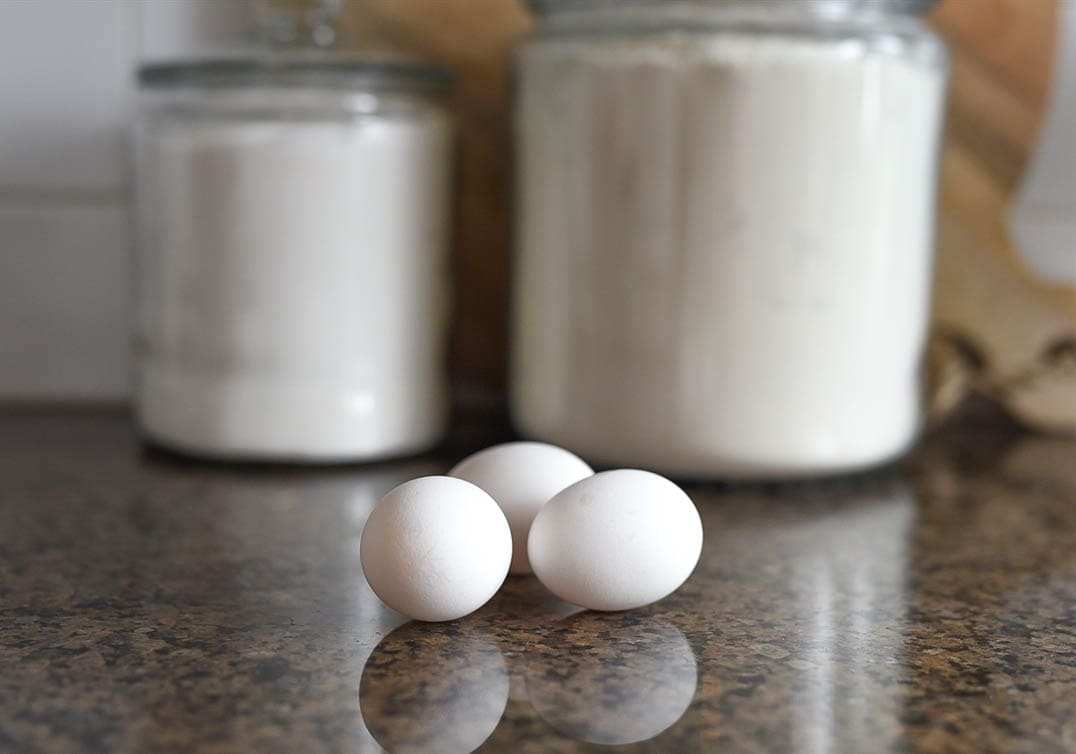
{"x":433,"y":689}
{"x":611,"y":678}
{"x":517,"y":616}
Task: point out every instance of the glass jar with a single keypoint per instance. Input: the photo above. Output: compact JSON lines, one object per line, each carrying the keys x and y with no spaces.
{"x":292,"y":233}
{"x":726,"y":215}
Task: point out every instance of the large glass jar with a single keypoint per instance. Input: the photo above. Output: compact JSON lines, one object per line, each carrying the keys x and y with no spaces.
{"x":292,"y":234}
{"x":726,"y":215}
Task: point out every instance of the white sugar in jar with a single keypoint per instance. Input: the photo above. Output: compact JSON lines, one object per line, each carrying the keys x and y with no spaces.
{"x":292,"y":233}
{"x":726,"y":220}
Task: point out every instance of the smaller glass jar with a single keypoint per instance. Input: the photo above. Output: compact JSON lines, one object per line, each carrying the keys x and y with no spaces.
{"x":292,"y":234}
{"x":726,"y":218}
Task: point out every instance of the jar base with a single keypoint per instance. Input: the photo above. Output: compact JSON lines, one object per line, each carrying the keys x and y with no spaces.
{"x":203,"y":454}
{"x":244,"y":421}
{"x":727,"y":466}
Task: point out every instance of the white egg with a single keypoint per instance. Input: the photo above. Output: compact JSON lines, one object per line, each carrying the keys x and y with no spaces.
{"x":436,"y":548}
{"x":522,"y":477}
{"x":616,"y":540}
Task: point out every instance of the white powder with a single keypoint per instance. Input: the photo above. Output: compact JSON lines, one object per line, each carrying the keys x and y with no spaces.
{"x":292,"y":301}
{"x":725,"y":250}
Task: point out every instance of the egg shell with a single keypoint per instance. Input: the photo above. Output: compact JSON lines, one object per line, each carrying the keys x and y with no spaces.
{"x":522,"y":477}
{"x":616,"y":540}
{"x":436,"y":548}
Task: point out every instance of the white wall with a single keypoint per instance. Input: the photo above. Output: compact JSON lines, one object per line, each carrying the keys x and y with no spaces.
{"x":66,"y":95}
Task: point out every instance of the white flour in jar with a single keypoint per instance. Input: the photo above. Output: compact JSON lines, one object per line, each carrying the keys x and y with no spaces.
{"x":293,"y":285}
{"x":725,"y":251}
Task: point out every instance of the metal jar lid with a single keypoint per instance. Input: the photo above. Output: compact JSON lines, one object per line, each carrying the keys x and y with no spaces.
{"x":301,"y":72}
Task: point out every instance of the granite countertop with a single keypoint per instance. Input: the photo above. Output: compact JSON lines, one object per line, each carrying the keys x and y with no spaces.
{"x":154,"y":605}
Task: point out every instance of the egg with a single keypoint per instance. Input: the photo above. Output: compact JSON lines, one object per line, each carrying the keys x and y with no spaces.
{"x":522,"y":477}
{"x":436,"y":548}
{"x":616,"y":540}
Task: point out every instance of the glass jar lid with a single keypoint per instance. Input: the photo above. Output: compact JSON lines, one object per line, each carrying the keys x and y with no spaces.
{"x":902,"y":7}
{"x":297,"y":72}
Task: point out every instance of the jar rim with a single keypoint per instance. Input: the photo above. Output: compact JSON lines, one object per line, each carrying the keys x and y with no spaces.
{"x":275,"y":71}
{"x":897,"y":7}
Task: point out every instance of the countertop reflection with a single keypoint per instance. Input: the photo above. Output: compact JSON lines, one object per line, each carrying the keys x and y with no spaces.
{"x":150,"y":605}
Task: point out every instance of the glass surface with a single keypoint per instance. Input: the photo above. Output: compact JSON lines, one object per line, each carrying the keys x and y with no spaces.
{"x":725,"y":228}
{"x":292,"y":227}
{"x":293,"y":23}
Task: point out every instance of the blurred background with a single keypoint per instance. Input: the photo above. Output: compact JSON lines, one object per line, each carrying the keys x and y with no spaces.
{"x":1003,"y":327}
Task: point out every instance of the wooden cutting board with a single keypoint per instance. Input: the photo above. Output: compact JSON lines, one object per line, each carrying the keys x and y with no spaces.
{"x":999,"y":330}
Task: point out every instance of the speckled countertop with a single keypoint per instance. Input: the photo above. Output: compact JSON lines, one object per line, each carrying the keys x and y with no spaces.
{"x":150,"y":605}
